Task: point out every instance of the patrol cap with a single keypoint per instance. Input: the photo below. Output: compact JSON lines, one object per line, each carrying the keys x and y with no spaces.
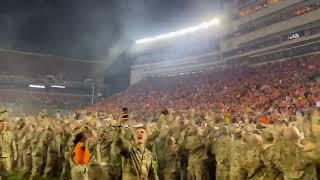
{"x":140,"y":126}
{"x":3,"y":110}
{"x":237,"y":130}
{"x":45,"y":114}
{"x":260,"y":126}
{"x":280,"y":121}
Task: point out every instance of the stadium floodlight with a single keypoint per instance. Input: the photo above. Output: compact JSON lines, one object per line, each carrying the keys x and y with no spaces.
{"x":37,"y":86}
{"x":58,"y":86}
{"x":204,"y":25}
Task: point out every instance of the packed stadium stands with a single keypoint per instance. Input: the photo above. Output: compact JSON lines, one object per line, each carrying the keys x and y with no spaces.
{"x":68,"y":82}
{"x":273,"y":30}
{"x":32,"y":101}
{"x":271,"y":89}
{"x":265,"y":31}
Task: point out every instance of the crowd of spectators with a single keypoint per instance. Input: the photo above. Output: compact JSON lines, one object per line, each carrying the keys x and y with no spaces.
{"x":269,"y":90}
{"x":34,"y":102}
{"x":275,"y":18}
{"x":250,"y":9}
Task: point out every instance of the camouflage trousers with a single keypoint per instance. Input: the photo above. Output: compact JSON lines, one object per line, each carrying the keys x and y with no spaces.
{"x":237,"y":173}
{"x":169,"y":175}
{"x":222,"y":172}
{"x":19,"y":166}
{"x":37,"y":162}
{"x":96,"y":172}
{"x":103,"y":172}
{"x":197,"y":171}
{"x":5,"y":167}
{"x":51,"y":165}
{"x":66,"y":171}
{"x":79,"y":172}
{"x":271,"y":173}
{"x":27,"y":165}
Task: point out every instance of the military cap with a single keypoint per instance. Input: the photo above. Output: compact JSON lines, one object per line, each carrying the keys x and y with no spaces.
{"x":140,"y":126}
{"x":3,"y":110}
{"x":260,"y":126}
{"x":237,"y":130}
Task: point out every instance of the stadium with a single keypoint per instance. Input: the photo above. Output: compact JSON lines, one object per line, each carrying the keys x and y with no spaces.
{"x":160,"y":90}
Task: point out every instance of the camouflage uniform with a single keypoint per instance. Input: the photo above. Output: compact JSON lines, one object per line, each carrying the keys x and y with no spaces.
{"x":197,"y":157}
{"x":39,"y":149}
{"x":293,"y":163}
{"x":137,"y":162}
{"x":169,"y":168}
{"x":26,"y":154}
{"x":8,"y":147}
{"x":106,"y":165}
{"x":220,"y":150}
{"x":67,"y":151}
{"x":251,"y":158}
{"x":95,"y":170}
{"x":53,"y":154}
{"x":268,"y":157}
{"x":79,"y":172}
{"x":19,"y":145}
{"x":236,"y":150}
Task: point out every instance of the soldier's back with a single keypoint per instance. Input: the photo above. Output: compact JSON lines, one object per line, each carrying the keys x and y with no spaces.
{"x":293,"y":163}
{"x":236,"y":170}
{"x":270,"y":170}
{"x":220,"y":149}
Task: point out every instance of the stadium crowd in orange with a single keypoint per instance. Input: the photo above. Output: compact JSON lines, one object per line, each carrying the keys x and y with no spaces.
{"x":269,"y":91}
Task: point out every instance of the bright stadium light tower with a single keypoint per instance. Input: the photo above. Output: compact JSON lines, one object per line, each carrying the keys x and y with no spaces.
{"x":204,"y":25}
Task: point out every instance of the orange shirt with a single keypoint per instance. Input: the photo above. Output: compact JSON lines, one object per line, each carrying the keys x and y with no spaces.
{"x":81,"y":154}
{"x":265,"y":120}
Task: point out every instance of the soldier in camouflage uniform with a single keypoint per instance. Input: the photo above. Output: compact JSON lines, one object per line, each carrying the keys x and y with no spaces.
{"x":269,"y":154}
{"x":137,"y":160}
{"x":7,"y":149}
{"x":19,"y":136}
{"x":66,"y":151}
{"x":312,"y":147}
{"x":26,"y":151}
{"x":235,"y":152}
{"x":220,"y":150}
{"x":197,"y":155}
{"x":251,"y":157}
{"x":170,"y":168}
{"x":291,"y":160}
{"x":105,"y":153}
{"x":95,"y":171}
{"x":100,"y":164}
{"x":39,"y":149}
{"x":53,"y":153}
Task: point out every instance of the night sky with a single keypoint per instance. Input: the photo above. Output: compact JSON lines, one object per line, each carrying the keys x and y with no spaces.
{"x":86,"y":29}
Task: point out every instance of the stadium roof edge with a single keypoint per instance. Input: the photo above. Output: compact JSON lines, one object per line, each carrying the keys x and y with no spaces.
{"x":49,"y":55}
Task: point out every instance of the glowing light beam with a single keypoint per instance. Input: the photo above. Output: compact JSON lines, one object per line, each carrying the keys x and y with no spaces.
{"x":58,"y":86}
{"x":204,"y":25}
{"x":37,"y":86}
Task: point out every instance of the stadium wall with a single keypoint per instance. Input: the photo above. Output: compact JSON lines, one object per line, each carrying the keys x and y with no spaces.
{"x":271,"y":9}
{"x":275,"y":28}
